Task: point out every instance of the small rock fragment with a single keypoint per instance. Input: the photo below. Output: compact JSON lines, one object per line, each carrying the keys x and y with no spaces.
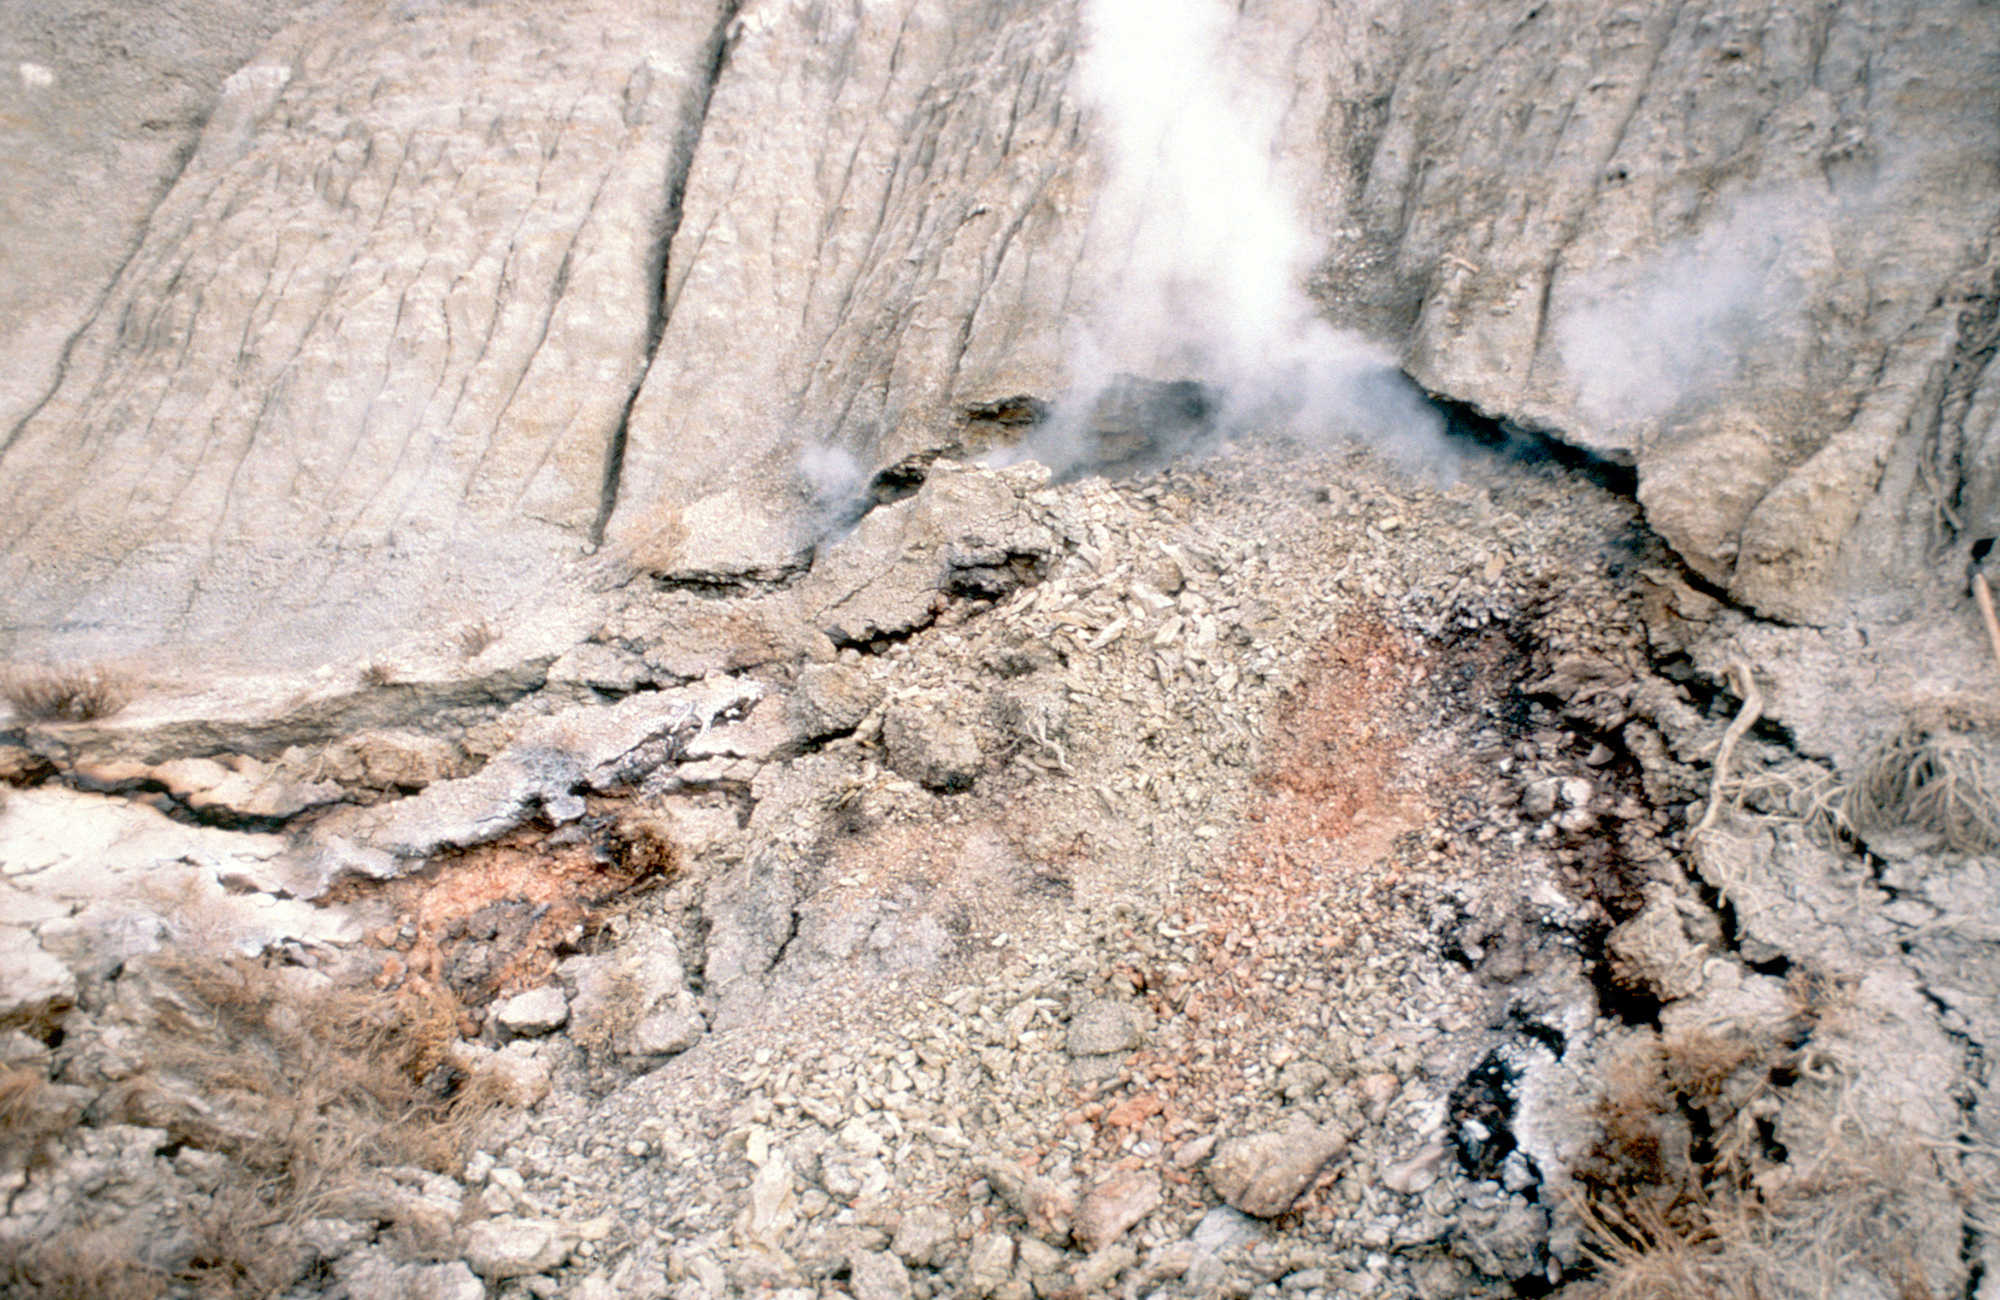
{"x":878,"y":1275}
{"x":33,"y":985}
{"x":1193,"y":1153}
{"x":1114,"y":1205}
{"x":1225,"y":1228}
{"x":922,"y":1236}
{"x":1263,"y":1175}
{"x":773,"y":1204}
{"x":1048,"y":1206}
{"x":534,"y":1013}
{"x":1303,"y":1080}
{"x":933,"y":751}
{"x":452,"y":1281}
{"x":1379,"y":1091}
{"x":1652,"y":951}
{"x":830,"y":700}
{"x":1094,"y":1275}
{"x":515,"y":1247}
{"x":1408,"y":1177}
{"x":1134,"y":1110}
{"x":369,"y":1271}
{"x":1039,"y":1259}
{"x":636,"y":1002}
{"x":1104,"y":1027}
{"x":518,"y":1077}
{"x":1538,"y":799}
{"x":989,"y":1265}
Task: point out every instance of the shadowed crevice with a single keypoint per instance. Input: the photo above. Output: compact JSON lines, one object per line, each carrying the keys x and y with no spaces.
{"x":688,"y":140}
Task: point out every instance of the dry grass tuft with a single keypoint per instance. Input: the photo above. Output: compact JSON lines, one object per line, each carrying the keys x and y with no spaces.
{"x":1931,"y":778}
{"x":475,"y":639}
{"x":1688,"y":1195}
{"x":1855,"y":1217}
{"x":21,"y":1087}
{"x":304,"y":1086}
{"x":379,"y":672}
{"x":643,"y":844}
{"x":1645,"y":1169}
{"x":32,"y":1110}
{"x":85,"y":1269}
{"x":336,"y":1077}
{"x":73,"y":694}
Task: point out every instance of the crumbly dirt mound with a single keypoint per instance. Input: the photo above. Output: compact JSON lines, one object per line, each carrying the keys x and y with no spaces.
{"x":1258,"y":843}
{"x":493,"y":920}
{"x":1300,"y":879}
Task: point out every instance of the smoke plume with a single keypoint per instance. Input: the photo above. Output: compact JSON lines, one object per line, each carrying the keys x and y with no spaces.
{"x":1202,"y":251}
{"x":1646,"y":338}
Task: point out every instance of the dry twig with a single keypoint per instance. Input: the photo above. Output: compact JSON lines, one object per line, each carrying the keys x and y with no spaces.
{"x":1745,"y":683}
{"x":1983,"y":593}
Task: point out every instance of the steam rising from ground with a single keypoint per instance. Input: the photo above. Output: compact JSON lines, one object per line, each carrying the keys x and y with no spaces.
{"x":1649,"y":337}
{"x":1203,"y":252}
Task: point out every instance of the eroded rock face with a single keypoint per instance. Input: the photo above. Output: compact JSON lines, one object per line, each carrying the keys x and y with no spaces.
{"x":1709,"y":282}
{"x":100,"y":107}
{"x":876,"y":231}
{"x":684,"y":280}
{"x":374,"y":317}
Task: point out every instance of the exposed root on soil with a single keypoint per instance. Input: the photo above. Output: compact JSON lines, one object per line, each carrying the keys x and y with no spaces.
{"x":1803,"y":792}
{"x":1983,"y":592}
{"x":1745,"y":683}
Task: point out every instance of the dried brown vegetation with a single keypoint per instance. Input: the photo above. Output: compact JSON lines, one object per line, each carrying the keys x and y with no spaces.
{"x":303,"y":1086}
{"x":336,"y":1075}
{"x":72,"y":694}
{"x":1688,"y":1195}
{"x":31,"y":1109}
{"x":1934,"y":779}
{"x":475,"y":639}
{"x":643,"y":844}
{"x":84,"y":1269}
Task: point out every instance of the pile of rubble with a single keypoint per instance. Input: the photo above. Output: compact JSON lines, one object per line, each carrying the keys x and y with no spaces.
{"x":1274,"y":877}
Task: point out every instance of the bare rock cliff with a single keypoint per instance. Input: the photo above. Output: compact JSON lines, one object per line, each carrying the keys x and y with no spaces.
{"x":397,"y":314}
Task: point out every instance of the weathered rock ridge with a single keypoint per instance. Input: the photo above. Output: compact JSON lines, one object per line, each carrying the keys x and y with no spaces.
{"x":434,"y":298}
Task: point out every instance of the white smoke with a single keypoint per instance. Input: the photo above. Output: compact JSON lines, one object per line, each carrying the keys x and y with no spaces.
{"x":1201,"y":248}
{"x":1647,"y":337}
{"x":836,"y":488}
